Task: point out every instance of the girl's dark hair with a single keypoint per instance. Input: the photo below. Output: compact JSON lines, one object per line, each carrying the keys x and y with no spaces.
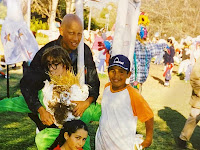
{"x":69,"y":127}
{"x":170,"y":41}
{"x":58,"y":54}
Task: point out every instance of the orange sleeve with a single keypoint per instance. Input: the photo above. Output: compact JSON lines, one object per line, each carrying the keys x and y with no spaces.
{"x":107,"y":84}
{"x":140,"y":107}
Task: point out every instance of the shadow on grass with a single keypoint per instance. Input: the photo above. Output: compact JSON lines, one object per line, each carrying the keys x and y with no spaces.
{"x":176,"y":121}
{"x":175,"y":72}
{"x":181,"y":76}
{"x":159,"y":80}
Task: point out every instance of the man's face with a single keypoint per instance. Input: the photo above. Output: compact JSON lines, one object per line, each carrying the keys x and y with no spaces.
{"x":118,"y":76}
{"x":72,"y":34}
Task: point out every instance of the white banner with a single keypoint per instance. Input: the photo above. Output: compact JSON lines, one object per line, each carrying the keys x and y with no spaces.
{"x":79,"y":12}
{"x":126,"y":28}
{"x":17,"y":39}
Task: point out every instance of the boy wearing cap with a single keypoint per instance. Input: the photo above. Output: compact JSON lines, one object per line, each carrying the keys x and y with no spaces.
{"x":121,"y":106}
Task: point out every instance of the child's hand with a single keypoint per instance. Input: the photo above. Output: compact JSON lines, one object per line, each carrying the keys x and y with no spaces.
{"x":81,"y":106}
{"x":149,"y":133}
{"x":146,"y":143}
{"x":45,"y":116}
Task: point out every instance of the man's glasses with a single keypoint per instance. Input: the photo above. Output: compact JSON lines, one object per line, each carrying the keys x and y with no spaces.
{"x":53,"y":65}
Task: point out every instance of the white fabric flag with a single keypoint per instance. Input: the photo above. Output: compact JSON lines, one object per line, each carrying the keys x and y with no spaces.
{"x":126,"y":27}
{"x":17,"y":39}
{"x":79,"y":12}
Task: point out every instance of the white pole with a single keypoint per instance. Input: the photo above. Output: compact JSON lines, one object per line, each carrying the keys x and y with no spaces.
{"x":120,"y":27}
{"x":79,"y":12}
{"x":126,"y":28}
{"x":134,"y":28}
{"x":89,"y":22}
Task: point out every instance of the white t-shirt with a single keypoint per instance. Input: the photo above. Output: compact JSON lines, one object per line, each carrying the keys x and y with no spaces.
{"x":118,"y":122}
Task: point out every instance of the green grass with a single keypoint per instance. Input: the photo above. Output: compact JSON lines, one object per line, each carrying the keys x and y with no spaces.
{"x":18,"y":131}
{"x":15,"y":76}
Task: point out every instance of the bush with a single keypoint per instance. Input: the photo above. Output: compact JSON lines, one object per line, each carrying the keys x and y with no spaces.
{"x":42,"y":39}
{"x":37,"y":24}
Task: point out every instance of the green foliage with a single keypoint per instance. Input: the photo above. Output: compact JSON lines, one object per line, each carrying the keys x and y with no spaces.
{"x":173,"y":18}
{"x":3,"y":10}
{"x":104,"y":12}
{"x":86,"y":17}
{"x":112,"y":14}
{"x":37,"y":24}
{"x":42,"y":39}
{"x":98,"y":19}
{"x":94,"y":23}
{"x":61,"y":9}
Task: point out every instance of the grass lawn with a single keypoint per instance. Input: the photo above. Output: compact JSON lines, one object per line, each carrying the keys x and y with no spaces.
{"x":171,"y":110}
{"x":17,"y":130}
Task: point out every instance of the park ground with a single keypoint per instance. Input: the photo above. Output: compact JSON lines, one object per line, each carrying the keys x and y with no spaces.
{"x":169,"y":104}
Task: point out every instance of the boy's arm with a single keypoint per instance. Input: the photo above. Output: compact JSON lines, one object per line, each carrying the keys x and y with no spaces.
{"x":82,"y":106}
{"x":149,"y":133}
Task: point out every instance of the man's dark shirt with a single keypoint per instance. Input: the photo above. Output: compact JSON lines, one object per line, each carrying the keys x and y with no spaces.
{"x":32,"y":81}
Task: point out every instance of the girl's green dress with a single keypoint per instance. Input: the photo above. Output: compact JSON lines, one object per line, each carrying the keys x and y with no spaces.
{"x":45,"y":138}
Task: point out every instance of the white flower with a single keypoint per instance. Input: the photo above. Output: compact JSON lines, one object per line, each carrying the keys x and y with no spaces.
{"x":79,"y":93}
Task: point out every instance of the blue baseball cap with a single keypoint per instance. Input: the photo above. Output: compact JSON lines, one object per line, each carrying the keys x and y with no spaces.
{"x":121,"y":61}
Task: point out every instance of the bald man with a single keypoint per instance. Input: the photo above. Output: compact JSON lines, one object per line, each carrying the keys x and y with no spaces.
{"x":71,"y":31}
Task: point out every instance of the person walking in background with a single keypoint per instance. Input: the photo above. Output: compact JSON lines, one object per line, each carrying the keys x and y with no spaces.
{"x":194,"y":115}
{"x":95,"y":47}
{"x":102,"y":58}
{"x":194,"y":55}
{"x":185,"y":59}
{"x":104,"y":36}
{"x":159,"y":58}
{"x":168,"y":61}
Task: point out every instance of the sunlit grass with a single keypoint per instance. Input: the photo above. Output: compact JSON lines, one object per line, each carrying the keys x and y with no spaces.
{"x":18,"y":131}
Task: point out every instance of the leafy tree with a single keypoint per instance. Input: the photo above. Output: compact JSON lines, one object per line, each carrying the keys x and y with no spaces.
{"x":112,"y":14}
{"x":46,"y":8}
{"x":173,"y":18}
{"x":94,"y":24}
{"x":3,"y":10}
